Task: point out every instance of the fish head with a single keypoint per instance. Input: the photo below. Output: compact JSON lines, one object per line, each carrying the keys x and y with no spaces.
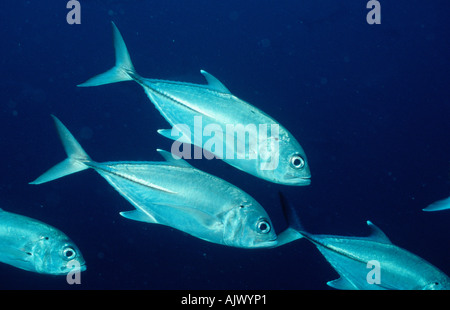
{"x":247,"y":225}
{"x":287,"y":163}
{"x":56,"y":254}
{"x":441,"y":284}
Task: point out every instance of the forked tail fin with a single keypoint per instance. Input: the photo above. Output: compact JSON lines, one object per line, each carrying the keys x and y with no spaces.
{"x":76,"y":157}
{"x":123,"y":69}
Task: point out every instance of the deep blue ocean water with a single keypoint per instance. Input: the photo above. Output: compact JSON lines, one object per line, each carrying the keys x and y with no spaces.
{"x":368,"y":103}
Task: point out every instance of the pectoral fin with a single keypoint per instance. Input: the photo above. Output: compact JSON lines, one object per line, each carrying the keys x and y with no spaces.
{"x":341,"y":284}
{"x":16,"y":254}
{"x":168,"y":133}
{"x":189,"y":214}
{"x":139,"y":216}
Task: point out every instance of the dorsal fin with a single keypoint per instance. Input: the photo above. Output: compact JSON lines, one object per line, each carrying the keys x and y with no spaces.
{"x":214,"y":83}
{"x":376,"y":234}
{"x":173,"y":159}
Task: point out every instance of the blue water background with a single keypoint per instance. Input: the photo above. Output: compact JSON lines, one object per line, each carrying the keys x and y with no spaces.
{"x":368,"y":103}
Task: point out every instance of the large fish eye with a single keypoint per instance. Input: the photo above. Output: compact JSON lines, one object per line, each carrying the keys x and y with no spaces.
{"x":432,"y":286}
{"x":263,"y":226}
{"x":297,"y":161}
{"x":69,"y":253}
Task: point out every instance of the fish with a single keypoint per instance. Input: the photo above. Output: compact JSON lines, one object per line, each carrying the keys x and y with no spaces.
{"x":358,"y":260}
{"x":373,"y":262}
{"x":32,"y":245}
{"x":439,"y":205}
{"x":239,"y":133}
{"x":175,"y":194}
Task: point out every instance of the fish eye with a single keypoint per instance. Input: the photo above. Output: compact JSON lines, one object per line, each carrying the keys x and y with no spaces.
{"x":297,"y":162}
{"x":432,"y":286}
{"x":69,"y":253}
{"x":263,"y":226}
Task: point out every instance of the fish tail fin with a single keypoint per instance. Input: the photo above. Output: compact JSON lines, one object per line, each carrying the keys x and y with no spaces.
{"x":123,"y":69}
{"x":438,"y":205}
{"x":295,"y":229}
{"x":76,"y":157}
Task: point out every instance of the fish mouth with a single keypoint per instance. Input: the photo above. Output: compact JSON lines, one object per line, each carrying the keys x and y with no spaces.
{"x":291,"y":179}
{"x":80,"y":268}
{"x":266,"y":244}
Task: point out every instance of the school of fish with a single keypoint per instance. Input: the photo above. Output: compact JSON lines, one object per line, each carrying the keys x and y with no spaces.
{"x":175,"y":194}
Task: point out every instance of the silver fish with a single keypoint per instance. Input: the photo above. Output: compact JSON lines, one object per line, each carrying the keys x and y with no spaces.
{"x":240,"y":134}
{"x":175,"y":194}
{"x":439,"y":205}
{"x":34,"y":246}
{"x":367,"y":263}
{"x":355,"y":260}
